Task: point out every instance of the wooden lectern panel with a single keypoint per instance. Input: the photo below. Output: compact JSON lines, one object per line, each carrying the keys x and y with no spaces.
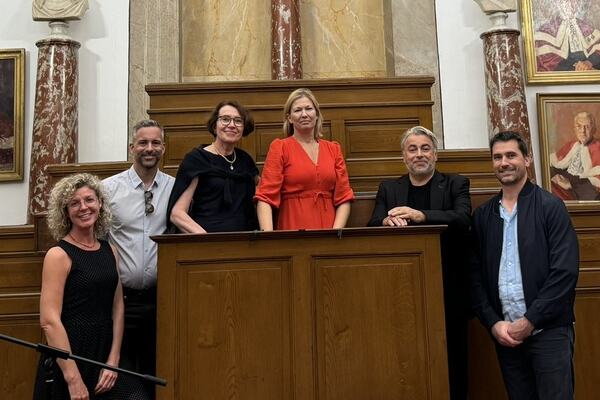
{"x":351,"y":314}
{"x":370,"y":316}
{"x":235,"y":320}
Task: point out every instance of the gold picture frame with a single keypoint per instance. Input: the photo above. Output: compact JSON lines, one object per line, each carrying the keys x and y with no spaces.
{"x":551,"y":29}
{"x":12,"y":113}
{"x":570,"y":145}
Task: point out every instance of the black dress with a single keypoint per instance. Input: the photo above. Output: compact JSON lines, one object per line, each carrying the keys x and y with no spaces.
{"x":87,"y":317}
{"x":223,"y":200}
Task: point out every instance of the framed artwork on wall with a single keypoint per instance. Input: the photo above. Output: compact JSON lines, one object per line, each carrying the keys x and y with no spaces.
{"x":561,"y":40}
{"x":570,"y":145}
{"x":12,"y":107}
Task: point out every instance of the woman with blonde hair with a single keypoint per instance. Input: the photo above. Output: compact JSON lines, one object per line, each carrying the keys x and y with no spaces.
{"x":304,"y":176}
{"x":81,"y":302}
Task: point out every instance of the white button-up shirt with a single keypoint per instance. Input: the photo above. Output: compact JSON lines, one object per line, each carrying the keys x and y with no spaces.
{"x":131,"y":228}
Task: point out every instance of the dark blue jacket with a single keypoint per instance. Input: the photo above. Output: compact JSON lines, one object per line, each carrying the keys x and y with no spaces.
{"x":548,"y":252}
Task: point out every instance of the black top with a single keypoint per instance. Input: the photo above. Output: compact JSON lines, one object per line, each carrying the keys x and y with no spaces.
{"x":222,"y":201}
{"x":418,"y":196}
{"x":87,"y":317}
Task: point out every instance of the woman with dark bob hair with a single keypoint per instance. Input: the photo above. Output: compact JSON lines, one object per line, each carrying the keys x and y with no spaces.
{"x":215,"y":184}
{"x":81,"y":302}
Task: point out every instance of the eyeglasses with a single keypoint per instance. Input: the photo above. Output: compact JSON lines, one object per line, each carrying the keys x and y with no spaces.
{"x":148,"y":202}
{"x":76,"y":203}
{"x":226,"y":120}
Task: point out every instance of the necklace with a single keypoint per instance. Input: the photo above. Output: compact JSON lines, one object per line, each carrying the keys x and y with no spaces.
{"x":225,"y":158}
{"x":83,"y":244}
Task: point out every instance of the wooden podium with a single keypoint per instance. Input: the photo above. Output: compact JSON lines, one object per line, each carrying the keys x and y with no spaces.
{"x":349,"y":314}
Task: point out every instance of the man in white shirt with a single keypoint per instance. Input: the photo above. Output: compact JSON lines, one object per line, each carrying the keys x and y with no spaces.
{"x":138,"y":200}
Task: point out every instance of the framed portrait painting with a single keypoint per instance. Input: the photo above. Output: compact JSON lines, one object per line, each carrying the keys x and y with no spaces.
{"x":561,"y":40}
{"x":12,"y":75}
{"x":570,"y":145}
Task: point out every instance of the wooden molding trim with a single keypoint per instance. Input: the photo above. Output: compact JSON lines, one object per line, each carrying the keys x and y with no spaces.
{"x":17,"y":238}
{"x":274,"y":85}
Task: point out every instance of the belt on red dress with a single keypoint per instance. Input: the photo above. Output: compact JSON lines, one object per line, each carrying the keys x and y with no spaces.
{"x":306,"y":195}
{"x":315,"y":195}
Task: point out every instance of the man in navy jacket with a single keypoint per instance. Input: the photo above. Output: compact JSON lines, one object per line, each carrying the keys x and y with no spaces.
{"x":523,"y":276}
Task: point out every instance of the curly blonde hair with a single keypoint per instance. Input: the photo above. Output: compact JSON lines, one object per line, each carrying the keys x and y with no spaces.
{"x":58,"y":219}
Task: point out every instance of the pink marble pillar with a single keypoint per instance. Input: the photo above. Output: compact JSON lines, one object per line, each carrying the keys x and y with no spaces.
{"x":507,"y":106}
{"x":286,"y":50}
{"x":55,"y":115}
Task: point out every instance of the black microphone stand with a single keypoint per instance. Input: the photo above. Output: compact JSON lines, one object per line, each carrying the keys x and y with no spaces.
{"x":52,"y":353}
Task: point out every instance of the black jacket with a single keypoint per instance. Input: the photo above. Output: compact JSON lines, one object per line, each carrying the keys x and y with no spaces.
{"x":450,"y":205}
{"x":548,"y":252}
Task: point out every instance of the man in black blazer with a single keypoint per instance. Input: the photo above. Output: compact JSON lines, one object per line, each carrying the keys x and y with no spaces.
{"x":426,"y":196}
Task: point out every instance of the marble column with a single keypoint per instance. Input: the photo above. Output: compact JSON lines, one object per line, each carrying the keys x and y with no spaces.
{"x":506,"y":102}
{"x":286,"y":50}
{"x":55,"y":114}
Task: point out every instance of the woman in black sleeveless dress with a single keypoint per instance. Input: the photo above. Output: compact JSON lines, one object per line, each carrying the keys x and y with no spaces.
{"x":81,"y":302}
{"x":215,"y":184}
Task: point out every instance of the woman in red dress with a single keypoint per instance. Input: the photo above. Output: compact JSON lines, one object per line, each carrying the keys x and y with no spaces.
{"x":304,"y":176}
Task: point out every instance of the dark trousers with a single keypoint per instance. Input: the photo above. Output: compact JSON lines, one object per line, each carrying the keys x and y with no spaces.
{"x":138,"y":350}
{"x":541,"y":368}
{"x":457,"y":344}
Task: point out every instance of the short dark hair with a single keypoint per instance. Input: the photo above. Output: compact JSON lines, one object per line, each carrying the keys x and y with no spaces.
{"x":211,"y":125}
{"x":507,"y":136}
{"x":147,"y":123}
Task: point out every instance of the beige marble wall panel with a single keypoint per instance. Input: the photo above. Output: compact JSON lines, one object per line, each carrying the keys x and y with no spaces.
{"x":343,"y":38}
{"x":225,"y":40}
{"x":415,"y":47}
{"x":153,"y":51}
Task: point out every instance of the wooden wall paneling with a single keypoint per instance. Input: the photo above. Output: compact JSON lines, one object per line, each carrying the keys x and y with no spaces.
{"x":181,"y":140}
{"x":17,"y":238}
{"x":265,"y":133}
{"x":250,"y":93}
{"x":374,"y":101}
{"x":20,"y":272}
{"x":587,"y":346}
{"x":584,"y":215}
{"x":587,"y":303}
{"x":20,"y":280}
{"x":375,"y":138}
